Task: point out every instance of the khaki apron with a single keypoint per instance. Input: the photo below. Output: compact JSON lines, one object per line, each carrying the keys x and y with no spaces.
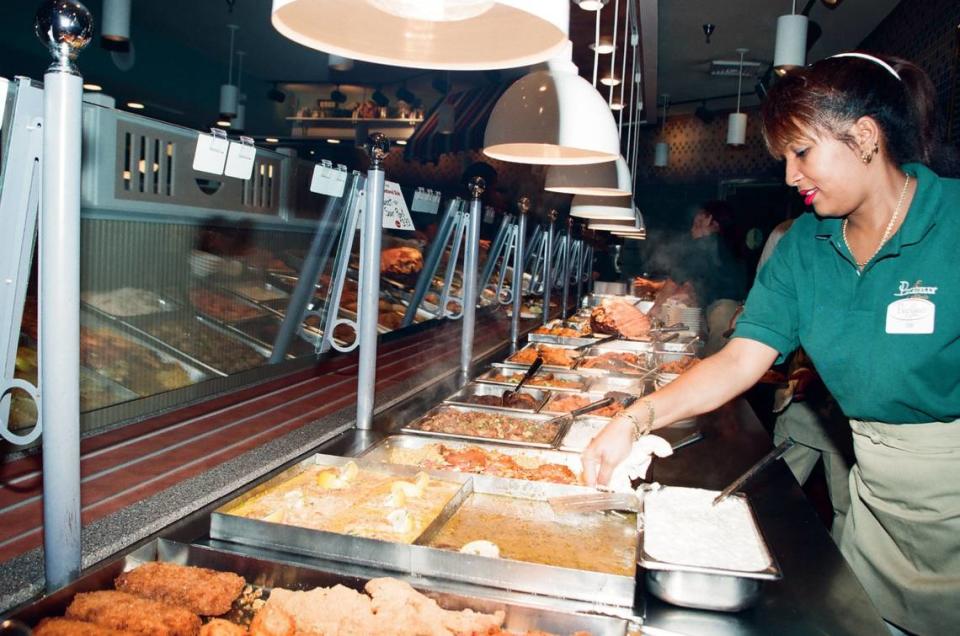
{"x":902,"y":534}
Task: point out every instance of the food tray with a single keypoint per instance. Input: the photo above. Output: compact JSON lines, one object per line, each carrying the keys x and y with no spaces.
{"x":226,"y":353}
{"x":590,"y":396}
{"x":532,"y":419}
{"x":421,"y":559}
{"x":264,"y":574}
{"x":549,"y":367}
{"x":152,"y":303}
{"x":500,"y":371}
{"x":263,"y":331}
{"x":222,"y":306}
{"x":639,"y":374}
{"x":384,"y":450}
{"x":574,"y":341}
{"x":707,"y":587}
{"x":625,"y":383}
{"x":621,"y":344}
{"x":257,"y":292}
{"x":472,"y":389}
{"x":150,"y":384}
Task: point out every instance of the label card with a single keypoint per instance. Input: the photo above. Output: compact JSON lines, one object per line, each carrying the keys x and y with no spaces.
{"x":240,"y":158}
{"x":489,"y":215}
{"x":426,"y":201}
{"x":396,"y":216}
{"x":211,"y":153}
{"x":328,"y":180}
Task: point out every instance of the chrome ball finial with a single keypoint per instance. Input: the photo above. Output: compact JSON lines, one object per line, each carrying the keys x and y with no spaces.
{"x":477,"y":186}
{"x":378,"y":146}
{"x":65,"y":27}
{"x":552,"y":215}
{"x":524,"y":204}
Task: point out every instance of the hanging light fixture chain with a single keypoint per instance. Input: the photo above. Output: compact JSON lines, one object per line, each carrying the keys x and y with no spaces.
{"x":613,"y":56}
{"x":233,"y":32}
{"x":623,"y":67}
{"x":596,"y":47}
{"x":740,"y":79}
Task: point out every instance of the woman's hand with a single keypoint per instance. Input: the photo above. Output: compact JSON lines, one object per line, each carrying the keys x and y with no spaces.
{"x":606,"y":451}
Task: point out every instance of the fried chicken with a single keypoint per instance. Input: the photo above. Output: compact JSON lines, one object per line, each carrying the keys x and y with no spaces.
{"x":220,"y":627}
{"x":119,"y":610}
{"x":68,"y":627}
{"x":272,"y":621}
{"x":202,"y":591}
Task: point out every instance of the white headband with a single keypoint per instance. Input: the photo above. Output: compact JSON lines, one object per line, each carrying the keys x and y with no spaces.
{"x":870,"y":58}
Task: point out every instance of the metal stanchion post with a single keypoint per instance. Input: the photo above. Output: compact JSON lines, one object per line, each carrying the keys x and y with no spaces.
{"x":567,"y":251}
{"x":548,"y":267}
{"x":477,"y":185}
{"x":368,"y":307}
{"x":519,"y":258}
{"x":66,"y":28}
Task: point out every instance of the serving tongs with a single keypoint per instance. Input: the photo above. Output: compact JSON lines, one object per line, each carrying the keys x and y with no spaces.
{"x":595,"y":343}
{"x":532,"y":371}
{"x":762,"y":463}
{"x":583,"y":410}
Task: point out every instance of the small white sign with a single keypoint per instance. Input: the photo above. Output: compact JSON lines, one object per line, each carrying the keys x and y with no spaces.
{"x":426,"y":201}
{"x":396,"y":216}
{"x":211,"y":154}
{"x":240,"y":158}
{"x":328,"y":180}
{"x":489,"y":215}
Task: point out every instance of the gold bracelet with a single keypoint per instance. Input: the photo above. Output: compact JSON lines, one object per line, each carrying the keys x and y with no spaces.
{"x":642,"y":428}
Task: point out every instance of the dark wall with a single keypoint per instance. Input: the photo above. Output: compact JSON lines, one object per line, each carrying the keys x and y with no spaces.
{"x":926,"y":32}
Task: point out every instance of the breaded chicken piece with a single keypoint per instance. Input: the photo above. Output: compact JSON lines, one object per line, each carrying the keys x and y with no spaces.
{"x":67,"y":627}
{"x":120,"y":610}
{"x":220,"y":627}
{"x":395,"y":602}
{"x":272,"y":621}
{"x":335,"y":610}
{"x":202,"y":591}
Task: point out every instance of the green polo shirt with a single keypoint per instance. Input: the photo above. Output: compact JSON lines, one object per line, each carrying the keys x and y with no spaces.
{"x":886,"y":342}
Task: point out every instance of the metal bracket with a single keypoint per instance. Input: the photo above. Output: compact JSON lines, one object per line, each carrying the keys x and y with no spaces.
{"x":19,"y":205}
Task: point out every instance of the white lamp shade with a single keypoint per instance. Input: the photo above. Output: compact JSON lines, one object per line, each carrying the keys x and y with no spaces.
{"x":608,"y":179}
{"x":791,"y":48}
{"x":661,"y":154}
{"x":228,"y":100}
{"x":637,"y":236}
{"x":552,"y":117}
{"x":239,"y":121}
{"x":612,"y":208}
{"x":461,"y":34}
{"x":115,"y":22}
{"x":737,"y":129}
{"x":629,"y":226}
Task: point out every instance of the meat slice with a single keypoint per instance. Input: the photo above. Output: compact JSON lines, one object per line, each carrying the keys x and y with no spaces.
{"x":119,"y":610}
{"x":202,"y":591}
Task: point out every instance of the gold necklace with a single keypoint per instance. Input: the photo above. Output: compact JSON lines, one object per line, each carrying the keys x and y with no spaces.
{"x":886,"y":233}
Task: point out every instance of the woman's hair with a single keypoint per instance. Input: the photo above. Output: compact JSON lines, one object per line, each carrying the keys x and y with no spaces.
{"x":828,"y":96}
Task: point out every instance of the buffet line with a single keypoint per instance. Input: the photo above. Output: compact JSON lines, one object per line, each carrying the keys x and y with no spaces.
{"x":455,"y":499}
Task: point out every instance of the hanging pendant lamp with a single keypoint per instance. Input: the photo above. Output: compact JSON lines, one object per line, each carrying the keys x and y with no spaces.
{"x":591,"y":207}
{"x":737,"y":122}
{"x":229,"y":93}
{"x":661,"y":152}
{"x":115,"y":25}
{"x":608,"y":179}
{"x":791,"y":46}
{"x":631,"y":226}
{"x":552,"y":117}
{"x":437,"y":34}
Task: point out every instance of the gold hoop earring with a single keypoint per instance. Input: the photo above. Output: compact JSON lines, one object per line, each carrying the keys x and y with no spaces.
{"x":867,"y":157}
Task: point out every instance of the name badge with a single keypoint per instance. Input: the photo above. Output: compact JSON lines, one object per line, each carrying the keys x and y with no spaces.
{"x":911,"y":316}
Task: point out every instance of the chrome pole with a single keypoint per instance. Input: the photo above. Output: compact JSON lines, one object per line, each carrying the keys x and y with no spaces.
{"x":523,"y":205}
{"x":548,"y":267}
{"x":368,"y":307}
{"x":476,"y":186}
{"x":66,"y":28}
{"x":581,"y":260}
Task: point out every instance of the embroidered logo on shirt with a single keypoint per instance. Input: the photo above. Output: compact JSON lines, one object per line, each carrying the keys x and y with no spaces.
{"x":917,"y":289}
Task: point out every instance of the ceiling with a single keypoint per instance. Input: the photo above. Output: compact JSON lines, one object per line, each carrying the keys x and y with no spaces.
{"x":182,"y":50}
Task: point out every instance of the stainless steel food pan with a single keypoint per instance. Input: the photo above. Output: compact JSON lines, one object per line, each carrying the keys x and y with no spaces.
{"x":533,"y":419}
{"x":501,"y":371}
{"x":462,"y":397}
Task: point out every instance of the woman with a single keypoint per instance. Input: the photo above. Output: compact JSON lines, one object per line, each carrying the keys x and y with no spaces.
{"x":869,"y":287}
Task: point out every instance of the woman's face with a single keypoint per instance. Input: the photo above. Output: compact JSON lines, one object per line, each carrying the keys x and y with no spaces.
{"x":828,"y":173}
